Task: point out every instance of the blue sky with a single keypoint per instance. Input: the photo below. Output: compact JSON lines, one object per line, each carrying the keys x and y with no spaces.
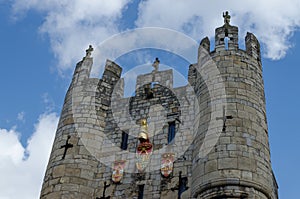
{"x":42,"y":42}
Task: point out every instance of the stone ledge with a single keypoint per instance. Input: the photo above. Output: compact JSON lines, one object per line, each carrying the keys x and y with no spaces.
{"x":232,"y":182}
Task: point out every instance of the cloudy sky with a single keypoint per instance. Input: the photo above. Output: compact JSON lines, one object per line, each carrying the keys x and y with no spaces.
{"x":42,"y":40}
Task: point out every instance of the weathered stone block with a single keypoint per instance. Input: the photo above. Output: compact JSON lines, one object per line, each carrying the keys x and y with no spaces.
{"x":227,"y":163}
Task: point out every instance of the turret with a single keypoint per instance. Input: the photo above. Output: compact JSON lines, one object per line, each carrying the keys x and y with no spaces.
{"x":72,"y":170}
{"x":232,"y":154}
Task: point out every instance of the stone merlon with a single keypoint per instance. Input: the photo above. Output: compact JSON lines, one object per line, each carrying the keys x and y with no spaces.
{"x":226,"y":39}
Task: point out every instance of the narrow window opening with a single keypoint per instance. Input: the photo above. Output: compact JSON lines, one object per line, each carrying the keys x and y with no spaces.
{"x":141,"y":191}
{"x":226,"y":40}
{"x":148,"y":91}
{"x":171,"y":132}
{"x":182,"y":186}
{"x":124,"y":142}
{"x":153,"y":84}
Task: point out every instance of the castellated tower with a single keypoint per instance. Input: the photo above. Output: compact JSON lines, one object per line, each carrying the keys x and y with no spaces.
{"x":208,"y":139}
{"x":238,"y":166}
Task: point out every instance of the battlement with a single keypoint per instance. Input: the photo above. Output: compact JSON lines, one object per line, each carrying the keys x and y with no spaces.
{"x":111,"y":81}
{"x":227,"y":38}
{"x":252,"y":46}
{"x":111,"y":70}
{"x":162,"y":77}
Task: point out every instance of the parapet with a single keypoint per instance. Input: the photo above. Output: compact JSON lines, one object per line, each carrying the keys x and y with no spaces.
{"x":146,"y":82}
{"x":164,"y":78}
{"x":252,"y":46}
{"x":205,"y":43}
{"x":226,"y":39}
{"x":82,"y":70}
{"x":112,"y":72}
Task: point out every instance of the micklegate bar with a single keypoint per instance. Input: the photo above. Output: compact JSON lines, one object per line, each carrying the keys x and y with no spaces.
{"x":208,"y":139}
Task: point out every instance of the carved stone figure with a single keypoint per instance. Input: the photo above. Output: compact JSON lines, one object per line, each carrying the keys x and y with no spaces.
{"x":89,"y":51}
{"x":226,"y":17}
{"x":156,"y":64}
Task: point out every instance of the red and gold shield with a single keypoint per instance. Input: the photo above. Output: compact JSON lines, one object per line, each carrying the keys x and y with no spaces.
{"x":118,"y":170}
{"x":143,"y":153}
{"x":167,"y":160}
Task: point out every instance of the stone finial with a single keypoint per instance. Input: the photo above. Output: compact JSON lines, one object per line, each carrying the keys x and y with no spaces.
{"x":156,"y":64}
{"x":226,"y":17}
{"x":89,"y":51}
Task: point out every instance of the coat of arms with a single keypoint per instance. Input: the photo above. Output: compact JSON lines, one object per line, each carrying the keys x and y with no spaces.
{"x":118,"y":170}
{"x":167,"y":160}
{"x":143,"y":154}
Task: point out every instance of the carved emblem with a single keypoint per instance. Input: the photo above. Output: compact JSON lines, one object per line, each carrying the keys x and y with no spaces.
{"x":66,"y":146}
{"x":143,"y":154}
{"x":118,"y":170}
{"x":167,"y":160}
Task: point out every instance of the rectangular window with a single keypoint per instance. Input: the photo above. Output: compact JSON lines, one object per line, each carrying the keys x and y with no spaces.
{"x":124,"y":142}
{"x":171,"y":131}
{"x":226,"y":41}
{"x":141,"y":191}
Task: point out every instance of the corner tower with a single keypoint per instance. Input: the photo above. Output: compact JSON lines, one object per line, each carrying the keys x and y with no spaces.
{"x":238,"y":165}
{"x":72,"y":171}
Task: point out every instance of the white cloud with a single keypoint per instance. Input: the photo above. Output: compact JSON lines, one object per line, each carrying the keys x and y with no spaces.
{"x":71,"y":27}
{"x":48,"y":102}
{"x":146,"y":38}
{"x":10,"y":146}
{"x":21,"y":116}
{"x":273,"y":21}
{"x":22,"y":169}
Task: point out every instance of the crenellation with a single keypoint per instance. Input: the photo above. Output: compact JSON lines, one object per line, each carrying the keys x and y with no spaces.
{"x":228,"y":102}
{"x":82,"y":70}
{"x":205,"y":44}
{"x":252,"y":46}
{"x":226,"y":38}
{"x":114,"y":68}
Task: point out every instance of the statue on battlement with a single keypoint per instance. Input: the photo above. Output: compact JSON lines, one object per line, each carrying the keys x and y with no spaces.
{"x":89,"y":51}
{"x":156,"y":64}
{"x":226,"y":17}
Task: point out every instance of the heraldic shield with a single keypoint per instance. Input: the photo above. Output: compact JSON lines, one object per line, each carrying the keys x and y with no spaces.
{"x":118,"y":170}
{"x":167,"y":160}
{"x":143,"y":154}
